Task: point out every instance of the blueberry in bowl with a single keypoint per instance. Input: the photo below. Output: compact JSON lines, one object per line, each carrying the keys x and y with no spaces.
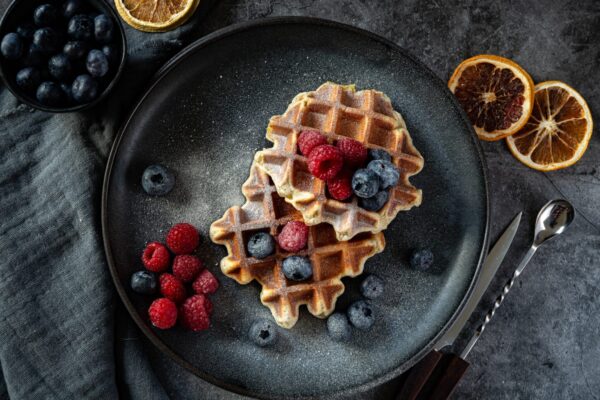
{"x":61,"y":55}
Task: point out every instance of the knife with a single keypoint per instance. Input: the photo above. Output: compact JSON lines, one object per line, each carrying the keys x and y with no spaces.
{"x":436,"y":376}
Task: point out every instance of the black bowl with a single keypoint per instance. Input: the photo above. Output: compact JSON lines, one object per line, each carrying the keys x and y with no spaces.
{"x":21,"y":11}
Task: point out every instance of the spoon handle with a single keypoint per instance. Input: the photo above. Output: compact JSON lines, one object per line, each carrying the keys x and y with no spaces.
{"x":505,"y":289}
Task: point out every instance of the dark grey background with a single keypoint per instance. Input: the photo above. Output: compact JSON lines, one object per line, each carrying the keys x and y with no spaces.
{"x":543,"y":342}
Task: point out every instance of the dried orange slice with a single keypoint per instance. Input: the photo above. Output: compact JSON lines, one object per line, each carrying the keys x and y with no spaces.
{"x":156,"y":15}
{"x":495,"y":92}
{"x":558,"y":132}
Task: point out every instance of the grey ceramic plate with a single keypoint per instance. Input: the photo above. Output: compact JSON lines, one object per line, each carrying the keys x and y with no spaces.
{"x":205,"y":116}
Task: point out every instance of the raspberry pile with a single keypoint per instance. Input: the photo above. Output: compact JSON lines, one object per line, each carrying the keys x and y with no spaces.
{"x":350,"y":169}
{"x":183,"y":283}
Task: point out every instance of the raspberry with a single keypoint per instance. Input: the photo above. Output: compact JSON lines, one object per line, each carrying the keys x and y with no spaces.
{"x":308,"y":140}
{"x":163,"y":313}
{"x":172,"y":288}
{"x":186,"y":267}
{"x":205,"y":283}
{"x":355,"y":154}
{"x":293,"y":236}
{"x":325,"y":161}
{"x":183,"y":239}
{"x":195,"y":313}
{"x":156,"y":257}
{"x":340,"y":187}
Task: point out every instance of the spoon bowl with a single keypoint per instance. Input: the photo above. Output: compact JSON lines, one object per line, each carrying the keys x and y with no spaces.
{"x":552,"y":220}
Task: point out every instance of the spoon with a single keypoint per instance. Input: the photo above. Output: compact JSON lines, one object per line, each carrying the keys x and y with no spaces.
{"x":552,"y":220}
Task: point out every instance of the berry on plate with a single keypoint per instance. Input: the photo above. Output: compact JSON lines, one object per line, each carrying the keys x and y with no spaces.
{"x":293,"y":237}
{"x":49,"y":93}
{"x":84,"y":89}
{"x":354,"y":152}
{"x":360,"y":314}
{"x":421,"y":259}
{"x":379,"y":154}
{"x":338,"y":327}
{"x":340,"y":187}
{"x":261,"y":245}
{"x":325,"y":161}
{"x":81,"y":27}
{"x":374,"y":203}
{"x":46,"y":40}
{"x":32,"y":56}
{"x":60,"y":67}
{"x":297,"y":268}
{"x":195,"y":313}
{"x":11,"y":46}
{"x":75,"y":49}
{"x":262,"y":332}
{"x":156,"y":257}
{"x":187,"y":267}
{"x":97,"y":63}
{"x":143,"y":282}
{"x":72,"y":7}
{"x":183,"y":238}
{"x":157,"y":180}
{"x":172,"y":288}
{"x":103,"y":28}
{"x":28,"y":79}
{"x":205,"y":283}
{"x":45,"y":15}
{"x":365,"y":183}
{"x":163,"y":313}
{"x":387,"y":172}
{"x":308,"y":140}
{"x":372,"y":287}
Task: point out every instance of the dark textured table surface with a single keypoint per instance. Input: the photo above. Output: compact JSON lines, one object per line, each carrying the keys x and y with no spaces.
{"x":543,"y":342}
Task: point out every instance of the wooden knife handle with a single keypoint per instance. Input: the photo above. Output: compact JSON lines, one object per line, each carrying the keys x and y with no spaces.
{"x":433,"y":378}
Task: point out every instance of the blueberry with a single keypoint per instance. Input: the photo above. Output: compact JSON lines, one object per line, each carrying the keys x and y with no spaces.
{"x":110,"y":53}
{"x":372,"y":287}
{"x":33,"y":56}
{"x":81,"y":27}
{"x":50,"y":94}
{"x":143,"y":282}
{"x":379,"y":154}
{"x":72,"y":7}
{"x":365,"y":183}
{"x":156,"y":179}
{"x":60,"y":67}
{"x":297,"y":268}
{"x":103,"y":28}
{"x":75,"y":49}
{"x":261,"y":245}
{"x":28,"y":79}
{"x":387,"y":172}
{"x":45,"y":15}
{"x":85,"y":89}
{"x":96,"y":63}
{"x":46,"y":40}
{"x":11,"y":46}
{"x":421,"y":259}
{"x":26,"y":30}
{"x":338,"y":327}
{"x":262,"y":332}
{"x":360,"y":314}
{"x":374,"y":203}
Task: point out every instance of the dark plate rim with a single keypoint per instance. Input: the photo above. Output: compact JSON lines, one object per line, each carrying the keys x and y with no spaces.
{"x":168,"y":66}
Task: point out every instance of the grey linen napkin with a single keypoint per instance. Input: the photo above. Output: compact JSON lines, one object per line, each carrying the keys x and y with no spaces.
{"x":57,"y":302}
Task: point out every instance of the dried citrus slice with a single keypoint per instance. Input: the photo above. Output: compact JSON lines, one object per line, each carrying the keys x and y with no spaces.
{"x":558,"y":132}
{"x":156,"y":15}
{"x":495,"y":92}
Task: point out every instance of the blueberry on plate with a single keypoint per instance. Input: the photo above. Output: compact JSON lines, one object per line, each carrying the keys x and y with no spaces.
{"x":75,"y":50}
{"x":143,"y":282}
{"x":110,"y":53}
{"x":45,"y":15}
{"x":33,"y":56}
{"x":374,"y":203}
{"x":365,"y":183}
{"x":28,"y":79}
{"x":372,"y":287}
{"x":421,"y":259}
{"x":263,"y":332}
{"x":11,"y":46}
{"x":338,"y":327}
{"x":81,"y":27}
{"x":50,"y":94}
{"x":261,"y":245}
{"x":97,"y":63}
{"x":84,"y":89}
{"x":72,"y":7}
{"x":360,"y":314}
{"x":379,"y":154}
{"x":103,"y":28}
{"x":26,"y":30}
{"x":297,"y":268}
{"x":157,"y":180}
{"x":387,"y":172}
{"x":46,"y":40}
{"x":60,"y":67}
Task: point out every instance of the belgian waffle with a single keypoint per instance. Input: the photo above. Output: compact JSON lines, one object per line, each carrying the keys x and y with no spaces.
{"x":339,"y":111}
{"x":266,"y":211}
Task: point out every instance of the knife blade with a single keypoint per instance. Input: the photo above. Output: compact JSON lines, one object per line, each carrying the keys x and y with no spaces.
{"x":488,"y":271}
